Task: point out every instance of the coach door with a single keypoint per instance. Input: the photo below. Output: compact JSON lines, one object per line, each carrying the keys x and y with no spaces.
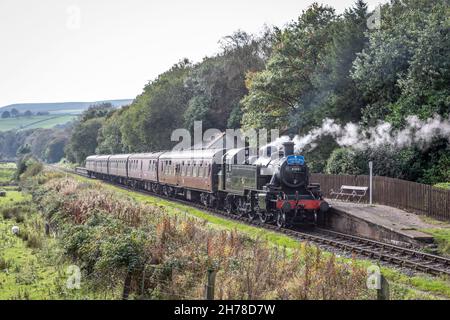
{"x":178,"y":173}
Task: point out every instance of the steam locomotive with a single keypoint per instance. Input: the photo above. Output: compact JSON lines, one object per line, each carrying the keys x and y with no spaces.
{"x":273,"y":188}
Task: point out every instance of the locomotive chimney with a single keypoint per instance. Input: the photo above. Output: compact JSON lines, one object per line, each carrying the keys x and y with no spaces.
{"x":288,"y":148}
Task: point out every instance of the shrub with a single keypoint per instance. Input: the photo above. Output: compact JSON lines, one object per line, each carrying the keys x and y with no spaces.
{"x":34,"y":240}
{"x":343,"y":161}
{"x":33,"y":169}
{"x":6,"y":213}
{"x":4,"y":264}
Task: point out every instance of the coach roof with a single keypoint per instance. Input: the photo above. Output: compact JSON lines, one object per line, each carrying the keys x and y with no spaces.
{"x":209,"y":154}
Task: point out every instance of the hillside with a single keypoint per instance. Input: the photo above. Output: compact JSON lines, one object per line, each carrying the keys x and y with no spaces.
{"x":61,"y":107}
{"x":34,"y":122}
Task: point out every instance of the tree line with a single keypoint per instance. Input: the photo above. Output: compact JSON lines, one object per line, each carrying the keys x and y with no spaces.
{"x":321,"y":65}
{"x":14,"y":113}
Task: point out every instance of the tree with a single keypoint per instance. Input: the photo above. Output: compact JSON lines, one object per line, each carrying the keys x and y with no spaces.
{"x":14,"y":112}
{"x":218,"y":83}
{"x":28,"y":113}
{"x":23,"y":149}
{"x":6,"y":114}
{"x":83,"y":141}
{"x":404,"y":69}
{"x":281,"y":94}
{"x":110,"y":137}
{"x":55,"y":149}
{"x":337,"y":95}
{"x":148,"y":123}
{"x":97,"y":111}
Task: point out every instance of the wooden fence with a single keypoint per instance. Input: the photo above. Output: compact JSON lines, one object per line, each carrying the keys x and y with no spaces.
{"x":407,"y":195}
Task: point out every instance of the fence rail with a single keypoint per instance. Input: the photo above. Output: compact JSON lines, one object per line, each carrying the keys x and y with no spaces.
{"x":411,"y":196}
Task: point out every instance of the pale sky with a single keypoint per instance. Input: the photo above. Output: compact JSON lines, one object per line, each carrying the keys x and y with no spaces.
{"x":88,"y":50}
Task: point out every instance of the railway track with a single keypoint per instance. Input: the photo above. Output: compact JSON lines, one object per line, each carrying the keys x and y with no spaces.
{"x":372,"y":249}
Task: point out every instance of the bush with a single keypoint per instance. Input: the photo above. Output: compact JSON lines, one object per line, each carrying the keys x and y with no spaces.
{"x":6,"y":213}
{"x":33,"y":169}
{"x":439,"y":171}
{"x":34,"y":240}
{"x":406,"y":163}
{"x":344,"y":161}
{"x":27,"y":167}
{"x":4,"y":264}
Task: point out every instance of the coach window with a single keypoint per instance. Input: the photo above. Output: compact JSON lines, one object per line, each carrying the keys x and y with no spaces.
{"x":196,"y":167}
{"x":201,"y":169}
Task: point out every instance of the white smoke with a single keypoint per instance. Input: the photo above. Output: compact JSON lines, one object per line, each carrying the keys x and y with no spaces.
{"x":416,"y":132}
{"x":275,"y":145}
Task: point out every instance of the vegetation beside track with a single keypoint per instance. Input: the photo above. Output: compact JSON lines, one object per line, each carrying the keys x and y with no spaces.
{"x":442,"y":237}
{"x":402,"y":286}
{"x":108,"y":231}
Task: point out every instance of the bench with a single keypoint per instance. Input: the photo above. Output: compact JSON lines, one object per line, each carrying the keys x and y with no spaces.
{"x":349,"y":192}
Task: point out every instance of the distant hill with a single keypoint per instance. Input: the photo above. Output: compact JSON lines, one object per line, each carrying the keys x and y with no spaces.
{"x":61,"y":107}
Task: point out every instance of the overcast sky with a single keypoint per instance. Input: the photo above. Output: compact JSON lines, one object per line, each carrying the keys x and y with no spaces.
{"x":87,"y":50}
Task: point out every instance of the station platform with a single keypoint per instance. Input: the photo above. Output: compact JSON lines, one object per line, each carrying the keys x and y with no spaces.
{"x":379,"y":222}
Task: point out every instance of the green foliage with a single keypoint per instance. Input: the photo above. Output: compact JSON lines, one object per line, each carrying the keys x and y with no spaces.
{"x":43,"y":144}
{"x":430,"y":166}
{"x":307,"y":76}
{"x":27,"y":167}
{"x":442,"y":237}
{"x":342,"y":161}
{"x":97,"y":111}
{"x":404,"y":70}
{"x":218,"y":83}
{"x":83,"y":141}
{"x":55,"y":149}
{"x":438,"y":168}
{"x":23,"y":149}
{"x":110,"y":136}
{"x":7,"y":171}
{"x":443,"y":185}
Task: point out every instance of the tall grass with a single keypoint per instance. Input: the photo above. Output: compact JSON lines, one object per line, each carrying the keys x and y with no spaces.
{"x":154,"y":254}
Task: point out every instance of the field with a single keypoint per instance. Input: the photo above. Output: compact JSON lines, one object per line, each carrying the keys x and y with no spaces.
{"x":6,"y":173}
{"x":34,"y":122}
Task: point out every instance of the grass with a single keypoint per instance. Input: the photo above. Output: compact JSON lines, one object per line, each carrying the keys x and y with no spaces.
{"x":33,"y":122}
{"x":403,"y":286}
{"x":12,"y":197}
{"x":31,"y":264}
{"x":7,"y":172}
{"x":442,"y":238}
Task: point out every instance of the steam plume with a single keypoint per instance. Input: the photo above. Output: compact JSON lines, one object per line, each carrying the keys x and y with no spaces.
{"x":416,"y":132}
